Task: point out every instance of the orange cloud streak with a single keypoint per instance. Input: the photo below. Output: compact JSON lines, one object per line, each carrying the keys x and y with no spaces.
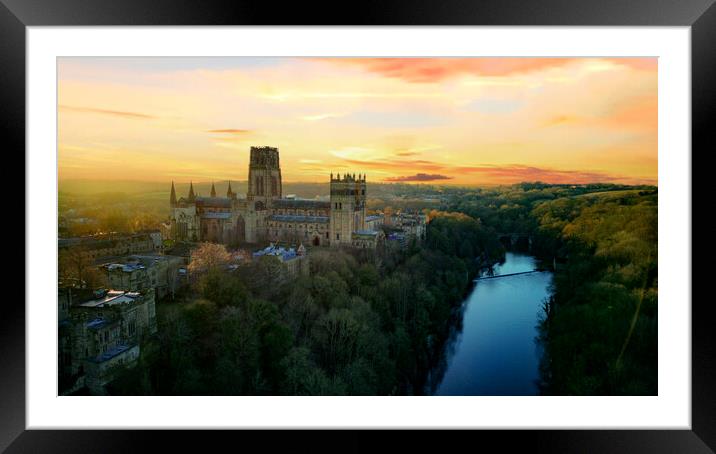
{"x":427,"y":70}
{"x":106,"y":112}
{"x":420,"y":177}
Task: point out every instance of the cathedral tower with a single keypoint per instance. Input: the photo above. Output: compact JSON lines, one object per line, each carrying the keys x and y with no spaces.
{"x":345,"y":205}
{"x":264,"y":174}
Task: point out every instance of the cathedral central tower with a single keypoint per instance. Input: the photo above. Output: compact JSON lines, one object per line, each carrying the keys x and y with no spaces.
{"x":264,"y":174}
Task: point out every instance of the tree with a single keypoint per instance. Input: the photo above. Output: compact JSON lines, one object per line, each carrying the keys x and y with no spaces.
{"x":208,"y":257}
{"x":222,"y":289}
{"x":74,"y":263}
{"x":336,"y":334}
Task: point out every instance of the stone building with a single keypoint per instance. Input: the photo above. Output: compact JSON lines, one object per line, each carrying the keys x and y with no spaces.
{"x":126,"y":276}
{"x":374,"y":222}
{"x":265,"y":215}
{"x":295,"y":261}
{"x":141,"y":272}
{"x":100,"y":330}
{"x":367,"y":239}
{"x":412,"y":224}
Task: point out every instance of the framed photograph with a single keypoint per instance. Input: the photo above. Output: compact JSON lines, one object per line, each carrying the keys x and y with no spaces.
{"x":446,"y":218}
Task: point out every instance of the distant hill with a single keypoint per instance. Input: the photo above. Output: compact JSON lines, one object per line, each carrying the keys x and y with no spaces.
{"x":160,"y":190}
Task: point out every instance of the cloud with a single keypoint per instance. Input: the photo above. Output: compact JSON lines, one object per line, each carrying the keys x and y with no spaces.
{"x":419,"y":177}
{"x":429,"y":70}
{"x":230,"y":131}
{"x":117,"y":113}
{"x":643,"y":64}
{"x":590,"y":114}
{"x":517,"y":173}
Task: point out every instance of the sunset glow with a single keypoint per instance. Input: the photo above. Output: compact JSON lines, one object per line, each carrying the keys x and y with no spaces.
{"x":467,"y":121}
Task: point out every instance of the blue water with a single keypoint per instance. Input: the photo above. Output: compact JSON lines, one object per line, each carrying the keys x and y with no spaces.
{"x":496,"y":353}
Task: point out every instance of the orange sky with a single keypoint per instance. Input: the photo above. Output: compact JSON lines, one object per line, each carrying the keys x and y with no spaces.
{"x":440,"y":120}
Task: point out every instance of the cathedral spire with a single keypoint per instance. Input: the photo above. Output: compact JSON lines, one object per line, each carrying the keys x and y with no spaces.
{"x":173,"y":197}
{"x":191,"y":197}
{"x":229,"y":192}
{"x":213,"y":190}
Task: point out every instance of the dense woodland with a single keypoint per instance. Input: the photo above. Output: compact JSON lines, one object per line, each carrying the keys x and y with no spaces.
{"x":376,"y":323}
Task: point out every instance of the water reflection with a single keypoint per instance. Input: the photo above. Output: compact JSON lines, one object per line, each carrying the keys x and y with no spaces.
{"x":493,"y":349}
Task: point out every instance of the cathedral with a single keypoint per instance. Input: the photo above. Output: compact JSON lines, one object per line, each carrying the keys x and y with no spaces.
{"x":265,"y":215}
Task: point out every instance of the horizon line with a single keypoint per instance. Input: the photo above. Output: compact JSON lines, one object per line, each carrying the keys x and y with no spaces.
{"x":381,"y":182}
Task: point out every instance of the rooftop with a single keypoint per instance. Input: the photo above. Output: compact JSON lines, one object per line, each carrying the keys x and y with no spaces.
{"x":298,"y":218}
{"x":366,"y":232}
{"x":96,"y":323}
{"x":144,"y":258}
{"x":125,"y":267}
{"x":109,"y":354}
{"x":148,"y":260}
{"x":223,"y":202}
{"x":280,"y":252}
{"x":112,"y":298}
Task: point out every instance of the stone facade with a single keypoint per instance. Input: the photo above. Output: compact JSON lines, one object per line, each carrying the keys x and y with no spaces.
{"x":141,"y":272}
{"x":412,"y":224}
{"x":101,"y":329}
{"x":265,"y":215}
{"x":374,"y":222}
{"x":368,"y":239}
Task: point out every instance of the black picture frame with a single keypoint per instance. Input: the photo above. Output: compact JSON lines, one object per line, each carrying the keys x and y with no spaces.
{"x":700,"y":15}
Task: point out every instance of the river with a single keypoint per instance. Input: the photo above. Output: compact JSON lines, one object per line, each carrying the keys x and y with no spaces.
{"x":494,"y":351}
